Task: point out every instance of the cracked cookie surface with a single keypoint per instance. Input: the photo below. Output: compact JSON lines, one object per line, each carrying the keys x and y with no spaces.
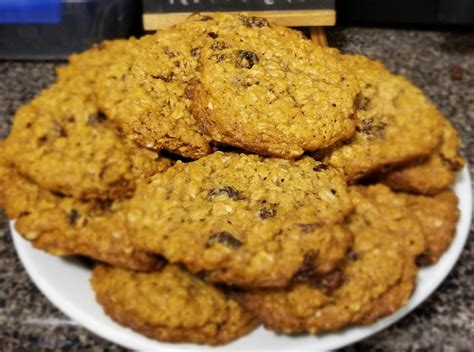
{"x":376,"y":279}
{"x":65,"y":226}
{"x":268,"y":90}
{"x":61,"y":141}
{"x":396,"y":123}
{"x":170,"y":305}
{"x":244,"y":219}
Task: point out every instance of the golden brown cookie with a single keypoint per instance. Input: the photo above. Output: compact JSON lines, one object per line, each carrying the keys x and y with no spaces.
{"x":396,"y":123}
{"x":61,"y":141}
{"x":171,"y":305}
{"x":269,"y":90}
{"x":438,"y":216}
{"x":244,"y":219}
{"x":64,"y":226}
{"x":145,"y":91}
{"x":434,"y":174}
{"x":376,"y":280}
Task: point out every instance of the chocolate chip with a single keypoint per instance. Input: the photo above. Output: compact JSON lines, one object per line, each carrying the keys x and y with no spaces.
{"x":307,"y":270}
{"x":219,"y":45}
{"x":372,"y":129}
{"x":94,"y":120}
{"x":329,"y":283}
{"x":42,"y":139}
{"x":267,"y":213}
{"x":245,"y":59}
{"x":320,"y":167}
{"x":253,"y":21}
{"x":225,"y":238}
{"x":424,"y":258}
{"x":166,"y":79}
{"x":213,"y":35}
{"x":195,"y":52}
{"x":231,"y":192}
{"x":457,"y":72}
{"x":73,"y":216}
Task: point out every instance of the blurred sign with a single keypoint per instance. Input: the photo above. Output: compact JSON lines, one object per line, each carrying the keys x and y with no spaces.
{"x":161,"y":14}
{"x":30,"y":11}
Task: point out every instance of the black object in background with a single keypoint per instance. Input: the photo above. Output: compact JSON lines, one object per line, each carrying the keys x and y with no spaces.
{"x":406,"y":12}
{"x":171,"y":6}
{"x":82,"y":23}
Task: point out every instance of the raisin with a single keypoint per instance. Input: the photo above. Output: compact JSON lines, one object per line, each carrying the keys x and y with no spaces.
{"x":58,"y":194}
{"x":253,"y":21}
{"x":219,"y":45}
{"x":371,"y":129}
{"x":225,"y":238}
{"x":213,"y":35}
{"x":307,"y":270}
{"x":320,"y":167}
{"x":94,"y":120}
{"x":73,"y":217}
{"x":231,"y":192}
{"x":424,"y":258}
{"x":267,"y":213}
{"x":329,"y":283}
{"x":105,"y":204}
{"x":245,"y":59}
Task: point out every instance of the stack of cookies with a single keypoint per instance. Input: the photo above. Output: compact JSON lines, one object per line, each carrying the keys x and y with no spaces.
{"x":227,"y":173}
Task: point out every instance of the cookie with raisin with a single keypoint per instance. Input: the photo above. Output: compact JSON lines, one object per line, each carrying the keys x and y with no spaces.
{"x":170,"y":305}
{"x":62,"y":141}
{"x":244,"y":219}
{"x":396,"y":123}
{"x":376,"y":279}
{"x":269,"y":90}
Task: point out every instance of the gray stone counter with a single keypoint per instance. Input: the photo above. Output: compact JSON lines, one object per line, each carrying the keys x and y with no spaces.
{"x":441,"y":63}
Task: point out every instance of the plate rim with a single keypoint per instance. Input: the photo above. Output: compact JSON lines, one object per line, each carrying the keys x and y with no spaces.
{"x":23,"y":249}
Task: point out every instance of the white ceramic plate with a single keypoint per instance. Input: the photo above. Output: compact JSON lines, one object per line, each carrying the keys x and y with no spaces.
{"x":66,"y":283}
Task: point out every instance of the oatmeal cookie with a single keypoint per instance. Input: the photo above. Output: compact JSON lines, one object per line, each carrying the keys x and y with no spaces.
{"x":62,"y":142}
{"x":171,"y":305}
{"x":145,"y":92}
{"x":376,"y":279}
{"x":269,"y":90}
{"x":438,"y":216}
{"x":65,"y":226}
{"x":396,"y":123}
{"x":244,"y":219}
{"x":434,"y":174}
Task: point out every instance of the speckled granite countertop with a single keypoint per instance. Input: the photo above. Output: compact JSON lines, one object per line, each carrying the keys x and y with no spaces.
{"x":441,"y":63}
